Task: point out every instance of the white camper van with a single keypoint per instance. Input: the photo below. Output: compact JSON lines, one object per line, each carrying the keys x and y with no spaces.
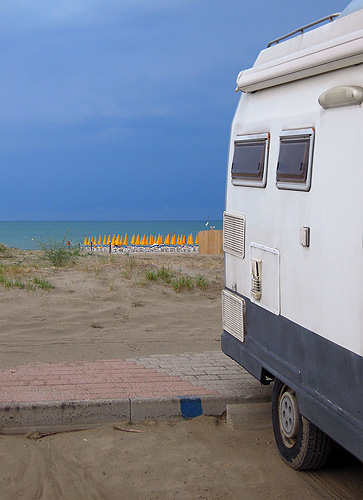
{"x":293,"y":235}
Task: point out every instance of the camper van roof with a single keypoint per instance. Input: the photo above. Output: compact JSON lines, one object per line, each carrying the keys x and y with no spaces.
{"x":352,"y":7}
{"x":332,"y":46}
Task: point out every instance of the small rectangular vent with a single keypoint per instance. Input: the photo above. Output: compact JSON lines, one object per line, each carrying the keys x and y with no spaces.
{"x":233,"y":315}
{"x":234,"y":234}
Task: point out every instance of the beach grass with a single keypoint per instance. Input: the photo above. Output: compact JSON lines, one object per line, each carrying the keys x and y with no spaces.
{"x":182,"y":283}
{"x":28,"y":284}
{"x":17,"y":272}
{"x":176,"y":279}
{"x":201,"y":282}
{"x":43,"y":283}
{"x":57,"y":252}
{"x":31,"y":270}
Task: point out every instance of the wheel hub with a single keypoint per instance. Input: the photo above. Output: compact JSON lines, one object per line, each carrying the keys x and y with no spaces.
{"x":289,"y":415}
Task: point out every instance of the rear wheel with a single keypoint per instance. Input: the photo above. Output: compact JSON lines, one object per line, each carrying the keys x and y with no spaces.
{"x":302,"y":445}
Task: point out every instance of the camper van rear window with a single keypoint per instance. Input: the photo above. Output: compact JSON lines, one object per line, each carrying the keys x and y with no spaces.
{"x":249,"y":163}
{"x":295,"y":159}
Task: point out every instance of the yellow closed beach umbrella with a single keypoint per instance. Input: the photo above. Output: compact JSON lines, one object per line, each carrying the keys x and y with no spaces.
{"x":184,"y":239}
{"x":89,"y":241}
{"x":133,"y":240}
{"x":197,"y":240}
{"x":113,"y":240}
{"x":137,"y":242}
{"x":147,"y":241}
{"x":160,"y":239}
{"x":105,"y":240}
{"x":108,"y":240}
{"x":172,"y":242}
{"x":166,"y":241}
{"x":120,"y":242}
{"x":125,"y":240}
{"x":99,"y":240}
{"x":85,"y":240}
{"x":117,"y":241}
{"x":151,"y":239}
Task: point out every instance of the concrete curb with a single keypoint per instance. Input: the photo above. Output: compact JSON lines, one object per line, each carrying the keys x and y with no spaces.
{"x":21,"y":418}
{"x":256,"y":416}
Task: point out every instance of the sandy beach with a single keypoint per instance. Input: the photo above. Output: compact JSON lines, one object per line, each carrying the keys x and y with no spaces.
{"x":106,"y":307}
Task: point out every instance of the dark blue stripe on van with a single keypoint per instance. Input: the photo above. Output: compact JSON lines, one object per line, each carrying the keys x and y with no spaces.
{"x":327,"y":378}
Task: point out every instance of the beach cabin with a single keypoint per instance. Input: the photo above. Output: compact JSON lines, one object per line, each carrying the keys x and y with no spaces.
{"x":293,"y":235}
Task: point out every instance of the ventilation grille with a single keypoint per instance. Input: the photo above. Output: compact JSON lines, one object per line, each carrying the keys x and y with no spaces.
{"x":233,"y":315}
{"x":234,"y":234}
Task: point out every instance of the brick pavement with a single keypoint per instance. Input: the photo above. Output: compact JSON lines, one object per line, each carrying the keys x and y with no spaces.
{"x":190,"y":374}
{"x":91,"y":392}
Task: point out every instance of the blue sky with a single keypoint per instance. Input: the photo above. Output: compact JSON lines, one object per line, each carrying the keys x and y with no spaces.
{"x":121,"y":109}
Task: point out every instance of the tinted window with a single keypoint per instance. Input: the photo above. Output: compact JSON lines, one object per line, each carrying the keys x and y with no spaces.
{"x":293,"y":160}
{"x":249,"y":164}
{"x":248,"y":160}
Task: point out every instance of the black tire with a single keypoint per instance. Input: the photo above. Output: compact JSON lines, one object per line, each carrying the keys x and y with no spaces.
{"x":301,"y":444}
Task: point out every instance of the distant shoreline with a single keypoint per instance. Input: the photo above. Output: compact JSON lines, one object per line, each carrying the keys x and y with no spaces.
{"x":28,"y":235}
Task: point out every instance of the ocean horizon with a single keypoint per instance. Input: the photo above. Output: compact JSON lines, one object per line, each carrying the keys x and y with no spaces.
{"x":29,"y":235}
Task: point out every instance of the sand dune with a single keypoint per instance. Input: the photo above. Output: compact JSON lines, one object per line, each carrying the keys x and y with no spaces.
{"x":105,"y":307}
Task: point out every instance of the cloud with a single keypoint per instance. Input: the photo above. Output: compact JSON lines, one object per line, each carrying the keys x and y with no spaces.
{"x":130,"y":67}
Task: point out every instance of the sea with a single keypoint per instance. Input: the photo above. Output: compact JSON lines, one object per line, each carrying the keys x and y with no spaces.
{"x":29,"y":235}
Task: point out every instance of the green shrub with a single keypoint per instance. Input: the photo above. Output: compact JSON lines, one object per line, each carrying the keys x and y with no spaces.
{"x":43,"y":283}
{"x":201,"y":282}
{"x":166,"y":274}
{"x":151,"y":276}
{"x":19,"y":283}
{"x":5,"y":281}
{"x":182,"y":283}
{"x":57,"y":252}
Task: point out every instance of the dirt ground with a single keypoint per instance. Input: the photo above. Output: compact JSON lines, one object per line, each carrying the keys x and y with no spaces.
{"x":104,"y":307}
{"x":198,"y":459}
{"x":101,"y":307}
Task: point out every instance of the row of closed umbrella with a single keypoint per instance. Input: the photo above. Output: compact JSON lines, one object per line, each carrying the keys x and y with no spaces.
{"x":119,"y":241}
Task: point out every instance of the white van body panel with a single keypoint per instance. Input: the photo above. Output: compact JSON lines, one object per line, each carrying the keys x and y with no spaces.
{"x":321,"y":286}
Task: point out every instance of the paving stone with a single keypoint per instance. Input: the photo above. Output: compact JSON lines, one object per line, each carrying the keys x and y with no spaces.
{"x":210,"y":375}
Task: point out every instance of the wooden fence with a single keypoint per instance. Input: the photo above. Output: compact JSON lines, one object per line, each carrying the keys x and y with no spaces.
{"x":210,"y":242}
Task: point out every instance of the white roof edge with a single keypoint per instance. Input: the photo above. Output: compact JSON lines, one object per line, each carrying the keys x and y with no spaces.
{"x":338,"y":53}
{"x":332,"y":46}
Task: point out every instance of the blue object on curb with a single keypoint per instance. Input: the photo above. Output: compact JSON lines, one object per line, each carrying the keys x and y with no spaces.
{"x":191,"y":407}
